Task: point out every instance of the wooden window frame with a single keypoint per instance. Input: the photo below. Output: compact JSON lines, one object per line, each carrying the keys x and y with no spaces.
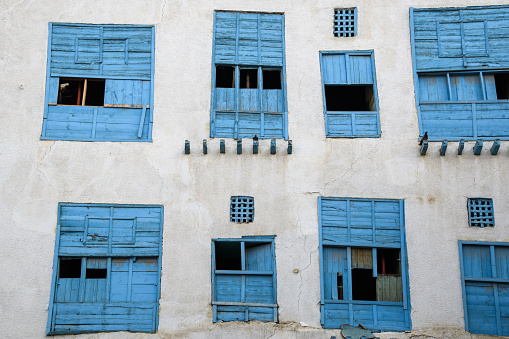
{"x":491,"y":281}
{"x":244,"y":273}
{"x":328,"y":212}
{"x":139,"y":298}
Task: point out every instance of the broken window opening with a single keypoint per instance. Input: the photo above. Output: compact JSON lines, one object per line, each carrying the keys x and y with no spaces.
{"x":228,"y":255}
{"x":388,"y":261}
{"x":225,"y":77}
{"x":363,"y":284}
{"x":350,"y":98}
{"x":502,"y":85}
{"x":271,"y":79}
{"x":340,"y":286}
{"x":69,"y":268}
{"x":96,"y":273}
{"x":81,"y":92}
{"x":249,"y":78}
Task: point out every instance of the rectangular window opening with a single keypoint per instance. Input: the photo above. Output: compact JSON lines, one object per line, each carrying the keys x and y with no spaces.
{"x":502,"y":85}
{"x":349,"y":98}
{"x":271,"y":79}
{"x":96,"y":273}
{"x":340,"y":286}
{"x":81,"y":92}
{"x":228,"y":255}
{"x":249,"y":78}
{"x":363,"y":284}
{"x":388,"y":261}
{"x":69,"y":268}
{"x":225,"y":77}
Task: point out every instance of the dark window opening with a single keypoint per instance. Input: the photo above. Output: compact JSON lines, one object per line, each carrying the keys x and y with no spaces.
{"x":228,"y":255}
{"x":363,"y":284}
{"x":349,"y":98}
{"x":70,"y":268}
{"x":81,"y":92}
{"x":340,"y":286}
{"x":248,"y":78}
{"x":502,"y":85}
{"x":271,"y":79}
{"x":96,"y":273}
{"x":388,"y":261}
{"x":225,"y":77}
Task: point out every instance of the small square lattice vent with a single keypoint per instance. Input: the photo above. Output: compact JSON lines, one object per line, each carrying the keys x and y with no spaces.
{"x":480,"y":212}
{"x":242,"y":209}
{"x":345,"y":22}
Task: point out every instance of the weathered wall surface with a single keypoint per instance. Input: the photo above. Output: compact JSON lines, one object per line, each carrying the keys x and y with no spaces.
{"x":195,"y":189}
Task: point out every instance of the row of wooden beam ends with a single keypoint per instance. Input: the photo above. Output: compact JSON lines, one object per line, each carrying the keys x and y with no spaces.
{"x":477,"y":147}
{"x":222,"y":146}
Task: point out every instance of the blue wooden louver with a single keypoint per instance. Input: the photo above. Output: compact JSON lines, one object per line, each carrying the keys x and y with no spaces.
{"x":107,"y":268}
{"x":458,"y":53}
{"x":120,"y":55}
{"x":485,"y":283}
{"x":245,"y":290}
{"x":248,"y":43}
{"x":345,"y":22}
{"x":363,"y":228}
{"x":480,"y":212}
{"x":241,"y":209}
{"x":342,"y":72}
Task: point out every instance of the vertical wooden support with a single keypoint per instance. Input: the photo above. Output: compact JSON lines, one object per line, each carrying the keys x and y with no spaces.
{"x":187,"y":147}
{"x":255,"y":146}
{"x":461,"y":146}
{"x":478,"y":147}
{"x":273,"y":146}
{"x":424,"y":148}
{"x":443,"y":148}
{"x":142,"y":121}
{"x":290,"y":147}
{"x":239,"y":146}
{"x":204,"y":146}
{"x":495,"y":147}
{"x":221,"y":146}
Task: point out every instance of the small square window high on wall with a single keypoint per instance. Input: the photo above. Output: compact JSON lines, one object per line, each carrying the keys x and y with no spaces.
{"x":345,"y":22}
{"x":241,"y":209}
{"x":480,"y":212}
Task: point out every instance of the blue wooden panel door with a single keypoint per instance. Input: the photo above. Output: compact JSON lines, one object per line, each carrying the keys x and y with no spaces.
{"x":349,"y":94}
{"x":107,"y":269}
{"x":248,"y":46}
{"x":99,"y":83}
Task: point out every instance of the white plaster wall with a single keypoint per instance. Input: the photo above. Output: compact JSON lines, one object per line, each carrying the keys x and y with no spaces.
{"x":195,"y":190}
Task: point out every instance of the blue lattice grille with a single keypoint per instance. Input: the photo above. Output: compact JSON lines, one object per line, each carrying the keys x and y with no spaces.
{"x":241,"y":209}
{"x":345,"y":22}
{"x":480,"y":212}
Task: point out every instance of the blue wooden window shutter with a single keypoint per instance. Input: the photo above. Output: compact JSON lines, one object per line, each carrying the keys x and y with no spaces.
{"x":480,"y":212}
{"x":248,"y":76}
{"x":461,"y":70}
{"x":485,"y":284}
{"x":363,"y":264}
{"x":350,"y":97}
{"x":107,"y":269}
{"x":345,"y":22}
{"x":244,"y":279}
{"x":99,"y":83}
